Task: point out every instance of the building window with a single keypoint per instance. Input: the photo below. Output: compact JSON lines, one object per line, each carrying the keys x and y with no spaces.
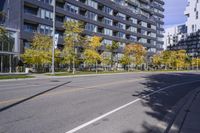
{"x":30,"y":27}
{"x":108,"y":32}
{"x":144,"y":24}
{"x":106,"y":42}
{"x":92,"y":3}
{"x":46,"y":1}
{"x":121,"y":25}
{"x":45,"y":14}
{"x":120,"y":15}
{"x":71,"y":8}
{"x":143,"y":32}
{"x":142,"y":40}
{"x":30,"y":10}
{"x":133,"y":38}
{"x":47,"y":30}
{"x":107,"y":10}
{"x":121,"y":35}
{"x":91,"y":15}
{"x":133,"y":20}
{"x":91,"y":27}
{"x":70,"y":19}
{"x":132,"y":29}
{"x":108,"y":21}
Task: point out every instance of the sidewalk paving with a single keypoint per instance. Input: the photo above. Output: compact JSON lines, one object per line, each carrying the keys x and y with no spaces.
{"x":191,"y":123}
{"x":188,"y":119}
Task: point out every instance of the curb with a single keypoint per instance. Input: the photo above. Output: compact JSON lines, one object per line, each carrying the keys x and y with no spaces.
{"x":172,"y":121}
{"x":59,"y":77}
{"x":182,"y":112}
{"x":86,"y":75}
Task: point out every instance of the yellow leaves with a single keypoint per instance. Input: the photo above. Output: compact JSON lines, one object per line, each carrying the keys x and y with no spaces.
{"x":137,"y":51}
{"x":176,"y":59}
{"x":125,"y":60}
{"x":91,"y":53}
{"x":40,"y":51}
{"x":4,"y":35}
{"x":157,"y":59}
{"x":114,"y":46}
{"x":72,"y":40}
{"x":73,"y":27}
{"x":195,"y":61}
{"x":95,"y":42}
{"x":91,"y":56}
{"x":42,"y":42}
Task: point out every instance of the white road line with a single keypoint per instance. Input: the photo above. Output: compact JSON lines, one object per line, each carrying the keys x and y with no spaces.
{"x":123,"y":106}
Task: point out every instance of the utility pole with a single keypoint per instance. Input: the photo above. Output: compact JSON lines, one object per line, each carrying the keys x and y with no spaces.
{"x":53,"y":47}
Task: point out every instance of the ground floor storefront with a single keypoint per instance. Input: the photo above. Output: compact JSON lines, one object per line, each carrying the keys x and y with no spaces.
{"x":8,"y":63}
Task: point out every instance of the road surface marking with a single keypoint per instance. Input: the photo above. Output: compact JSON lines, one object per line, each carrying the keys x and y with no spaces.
{"x":124,"y":106}
{"x":73,"y":90}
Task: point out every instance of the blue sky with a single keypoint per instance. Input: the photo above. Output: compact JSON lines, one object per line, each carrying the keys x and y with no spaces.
{"x":174,"y":12}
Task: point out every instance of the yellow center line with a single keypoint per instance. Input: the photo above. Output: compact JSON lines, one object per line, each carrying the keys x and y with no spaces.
{"x":72,"y":90}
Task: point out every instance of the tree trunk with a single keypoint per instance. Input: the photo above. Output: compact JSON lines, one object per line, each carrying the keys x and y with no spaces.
{"x":96,"y":67}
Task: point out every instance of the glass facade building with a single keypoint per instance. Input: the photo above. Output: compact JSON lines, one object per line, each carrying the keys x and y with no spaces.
{"x":9,"y":52}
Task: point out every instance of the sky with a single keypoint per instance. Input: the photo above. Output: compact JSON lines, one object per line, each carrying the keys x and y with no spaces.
{"x":174,"y":12}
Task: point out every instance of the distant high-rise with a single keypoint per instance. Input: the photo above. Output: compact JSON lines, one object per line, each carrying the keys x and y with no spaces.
{"x":190,"y":40}
{"x":193,"y":16}
{"x":174,"y":34}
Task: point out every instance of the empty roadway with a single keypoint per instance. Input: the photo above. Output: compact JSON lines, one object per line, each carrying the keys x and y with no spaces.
{"x":118,"y":103}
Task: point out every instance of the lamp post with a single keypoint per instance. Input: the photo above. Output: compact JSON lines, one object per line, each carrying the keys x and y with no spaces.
{"x":53,"y":33}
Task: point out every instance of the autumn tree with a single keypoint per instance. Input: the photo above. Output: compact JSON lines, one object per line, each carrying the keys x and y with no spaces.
{"x":91,"y":54}
{"x":195,"y":62}
{"x":106,"y":59}
{"x":126,"y":61}
{"x":72,"y":41}
{"x":157,"y":60}
{"x":168,"y":59}
{"x":113,"y":49}
{"x":40,"y":52}
{"x":137,"y":51}
{"x":180,"y":59}
{"x":139,"y":54}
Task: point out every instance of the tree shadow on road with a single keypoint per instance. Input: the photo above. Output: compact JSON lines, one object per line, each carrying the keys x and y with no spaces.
{"x":31,"y":97}
{"x":163,"y":103}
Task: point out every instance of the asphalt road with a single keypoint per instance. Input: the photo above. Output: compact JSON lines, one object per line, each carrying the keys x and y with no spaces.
{"x":122,"y":103}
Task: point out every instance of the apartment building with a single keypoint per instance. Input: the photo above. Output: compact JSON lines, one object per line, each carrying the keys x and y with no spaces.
{"x":174,"y":34}
{"x":190,"y":40}
{"x":193,"y":16}
{"x":124,"y":21}
{"x":191,"y":44}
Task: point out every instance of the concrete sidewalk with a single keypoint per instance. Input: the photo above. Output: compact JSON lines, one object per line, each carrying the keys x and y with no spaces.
{"x":188,"y":119}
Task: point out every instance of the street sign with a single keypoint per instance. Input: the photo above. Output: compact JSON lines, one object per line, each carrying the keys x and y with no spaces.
{"x":56,"y":41}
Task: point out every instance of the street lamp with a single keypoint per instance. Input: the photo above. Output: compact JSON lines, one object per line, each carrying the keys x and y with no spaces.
{"x":53,"y":49}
